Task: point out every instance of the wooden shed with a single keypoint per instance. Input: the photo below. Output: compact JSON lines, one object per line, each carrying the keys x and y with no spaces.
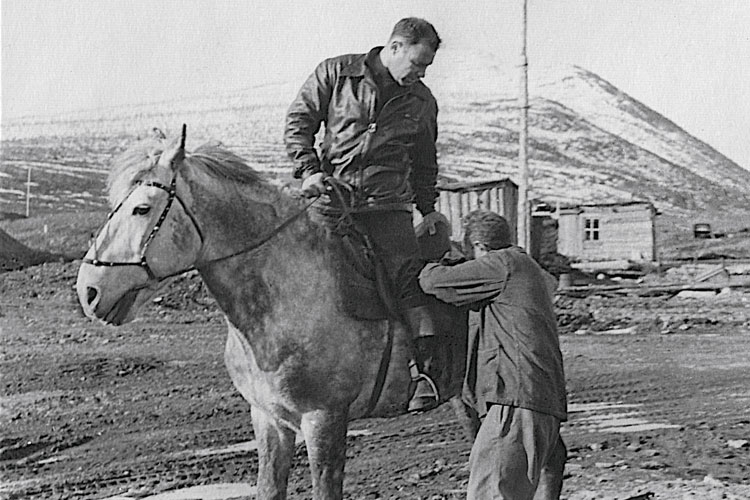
{"x":615,"y":231}
{"x":457,"y":199}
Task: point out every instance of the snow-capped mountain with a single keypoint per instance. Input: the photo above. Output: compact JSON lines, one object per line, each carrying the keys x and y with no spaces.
{"x":588,"y":141}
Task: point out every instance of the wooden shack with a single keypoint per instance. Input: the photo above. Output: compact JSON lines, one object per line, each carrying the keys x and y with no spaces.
{"x":456,"y":199}
{"x":614,"y":231}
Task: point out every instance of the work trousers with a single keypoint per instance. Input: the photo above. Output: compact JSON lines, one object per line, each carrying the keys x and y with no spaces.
{"x":518,"y":454}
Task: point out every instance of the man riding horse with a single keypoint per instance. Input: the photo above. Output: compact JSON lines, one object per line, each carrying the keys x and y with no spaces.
{"x":380,"y":132}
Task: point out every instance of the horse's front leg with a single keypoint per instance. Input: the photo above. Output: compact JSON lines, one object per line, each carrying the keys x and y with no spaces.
{"x":325,"y":436}
{"x":275,"y":452}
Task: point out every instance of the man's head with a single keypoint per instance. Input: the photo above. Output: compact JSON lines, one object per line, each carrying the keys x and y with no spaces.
{"x":410,"y":49}
{"x":485,"y":231}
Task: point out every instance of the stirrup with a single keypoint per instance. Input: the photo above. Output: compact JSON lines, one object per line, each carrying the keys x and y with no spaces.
{"x":418,"y":401}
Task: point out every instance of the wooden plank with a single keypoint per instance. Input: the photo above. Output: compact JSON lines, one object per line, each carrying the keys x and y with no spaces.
{"x":583,"y":290}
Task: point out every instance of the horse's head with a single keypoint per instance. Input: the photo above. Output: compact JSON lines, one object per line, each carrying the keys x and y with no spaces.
{"x":149,"y":237}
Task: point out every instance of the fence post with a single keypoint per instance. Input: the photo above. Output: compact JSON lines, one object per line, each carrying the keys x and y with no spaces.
{"x":28,"y":191}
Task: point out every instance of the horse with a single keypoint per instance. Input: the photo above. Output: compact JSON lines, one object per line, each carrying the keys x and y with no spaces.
{"x":293,"y":352}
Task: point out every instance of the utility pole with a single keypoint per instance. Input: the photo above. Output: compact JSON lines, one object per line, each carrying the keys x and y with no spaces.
{"x":524,"y":220}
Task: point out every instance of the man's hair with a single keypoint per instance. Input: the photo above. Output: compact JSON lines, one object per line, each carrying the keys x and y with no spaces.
{"x":415,"y":30}
{"x":490,"y":228}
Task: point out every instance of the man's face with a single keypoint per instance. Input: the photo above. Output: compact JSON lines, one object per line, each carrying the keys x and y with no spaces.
{"x":408,"y":63}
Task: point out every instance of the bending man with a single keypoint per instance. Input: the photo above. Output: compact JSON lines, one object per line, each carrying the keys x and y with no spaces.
{"x":515,"y":377}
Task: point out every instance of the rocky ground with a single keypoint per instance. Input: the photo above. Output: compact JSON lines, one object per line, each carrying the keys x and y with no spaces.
{"x":658,"y":388}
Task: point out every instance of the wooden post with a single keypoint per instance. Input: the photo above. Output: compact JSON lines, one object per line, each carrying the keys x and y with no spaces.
{"x":28,"y":191}
{"x":524,"y":229}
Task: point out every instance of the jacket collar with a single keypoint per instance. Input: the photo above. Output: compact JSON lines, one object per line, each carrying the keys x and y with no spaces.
{"x":357,"y":68}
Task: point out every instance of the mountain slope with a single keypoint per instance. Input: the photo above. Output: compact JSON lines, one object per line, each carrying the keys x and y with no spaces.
{"x":588,"y":141}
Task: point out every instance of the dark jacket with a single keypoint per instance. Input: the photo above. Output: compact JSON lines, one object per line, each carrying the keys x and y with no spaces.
{"x":514,"y":351}
{"x":389,"y":156}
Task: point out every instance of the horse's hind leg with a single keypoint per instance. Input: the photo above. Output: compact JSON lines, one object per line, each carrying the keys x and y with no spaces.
{"x":275,"y":452}
{"x":325,"y":437}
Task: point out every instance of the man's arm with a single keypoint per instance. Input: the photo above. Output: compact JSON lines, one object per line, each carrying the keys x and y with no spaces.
{"x":467,"y":283}
{"x":303,"y":119}
{"x":424,"y":164}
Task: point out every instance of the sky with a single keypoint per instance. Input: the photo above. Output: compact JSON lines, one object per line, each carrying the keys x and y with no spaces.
{"x":687,"y":59}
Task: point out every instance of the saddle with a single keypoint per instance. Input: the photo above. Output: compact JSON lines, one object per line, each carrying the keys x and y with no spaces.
{"x":365,"y":289}
{"x":365,"y":286}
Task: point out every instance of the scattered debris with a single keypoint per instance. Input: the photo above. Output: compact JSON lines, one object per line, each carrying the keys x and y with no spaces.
{"x":642,"y":496}
{"x":738,"y":443}
{"x":630,"y":330}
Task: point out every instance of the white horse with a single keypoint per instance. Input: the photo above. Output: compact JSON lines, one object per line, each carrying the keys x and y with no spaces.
{"x":304,"y":364}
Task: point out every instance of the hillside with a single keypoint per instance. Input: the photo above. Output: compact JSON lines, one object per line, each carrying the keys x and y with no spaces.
{"x":15,"y":255}
{"x":588,"y":142}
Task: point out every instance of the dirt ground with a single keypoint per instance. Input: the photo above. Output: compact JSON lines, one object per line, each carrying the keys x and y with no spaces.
{"x":659,"y":391}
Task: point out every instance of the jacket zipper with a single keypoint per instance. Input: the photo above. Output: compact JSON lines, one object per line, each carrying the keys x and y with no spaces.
{"x":372,"y":126}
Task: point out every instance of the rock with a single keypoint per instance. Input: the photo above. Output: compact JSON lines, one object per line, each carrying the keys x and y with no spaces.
{"x":652,"y":465}
{"x":710,"y":480}
{"x":642,"y":496}
{"x":738,"y":443}
{"x":696,"y":294}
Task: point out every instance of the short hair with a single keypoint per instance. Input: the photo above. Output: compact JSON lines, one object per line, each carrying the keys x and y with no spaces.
{"x":490,"y":228}
{"x":415,"y":30}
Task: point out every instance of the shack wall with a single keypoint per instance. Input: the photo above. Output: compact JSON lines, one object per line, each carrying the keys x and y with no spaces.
{"x":608,"y":232}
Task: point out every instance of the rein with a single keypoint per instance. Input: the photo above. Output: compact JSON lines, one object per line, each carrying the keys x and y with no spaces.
{"x":267,"y":237}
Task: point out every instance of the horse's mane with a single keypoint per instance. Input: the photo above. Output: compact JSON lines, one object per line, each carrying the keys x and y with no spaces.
{"x":211,"y":158}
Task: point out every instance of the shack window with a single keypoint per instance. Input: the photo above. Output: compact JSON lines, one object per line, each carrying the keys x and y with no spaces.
{"x":591,"y":232}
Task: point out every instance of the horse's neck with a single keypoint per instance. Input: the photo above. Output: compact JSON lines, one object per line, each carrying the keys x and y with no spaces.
{"x":286,"y":272}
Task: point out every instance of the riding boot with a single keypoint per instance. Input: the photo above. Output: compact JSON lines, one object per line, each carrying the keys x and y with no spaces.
{"x":423,"y":330}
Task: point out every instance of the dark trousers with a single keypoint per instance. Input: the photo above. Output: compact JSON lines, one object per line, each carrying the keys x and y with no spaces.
{"x":392,"y":236}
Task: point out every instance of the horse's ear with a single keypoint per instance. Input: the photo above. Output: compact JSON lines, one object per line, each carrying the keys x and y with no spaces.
{"x":174,"y":153}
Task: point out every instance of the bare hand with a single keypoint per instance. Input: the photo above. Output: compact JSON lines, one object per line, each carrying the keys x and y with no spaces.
{"x":313,"y":185}
{"x":430,"y":220}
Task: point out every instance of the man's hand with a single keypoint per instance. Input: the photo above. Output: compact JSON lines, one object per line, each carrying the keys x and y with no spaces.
{"x":313,"y":185}
{"x":433,"y":218}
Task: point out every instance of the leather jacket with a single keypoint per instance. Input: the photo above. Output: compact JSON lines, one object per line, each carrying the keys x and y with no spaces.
{"x":389,"y":157}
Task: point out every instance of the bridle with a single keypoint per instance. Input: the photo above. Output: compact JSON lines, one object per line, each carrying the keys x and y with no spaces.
{"x":171,"y":196}
{"x":143,"y":261}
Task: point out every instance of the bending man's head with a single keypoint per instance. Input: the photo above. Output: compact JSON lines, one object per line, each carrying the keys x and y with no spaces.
{"x":485,"y":231}
{"x":410,"y":50}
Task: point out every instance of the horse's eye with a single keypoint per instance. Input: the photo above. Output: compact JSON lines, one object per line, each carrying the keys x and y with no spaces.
{"x":141,"y":210}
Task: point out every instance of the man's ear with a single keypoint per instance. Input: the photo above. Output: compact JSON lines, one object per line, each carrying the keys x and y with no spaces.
{"x":481,"y":246}
{"x":395,"y":45}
